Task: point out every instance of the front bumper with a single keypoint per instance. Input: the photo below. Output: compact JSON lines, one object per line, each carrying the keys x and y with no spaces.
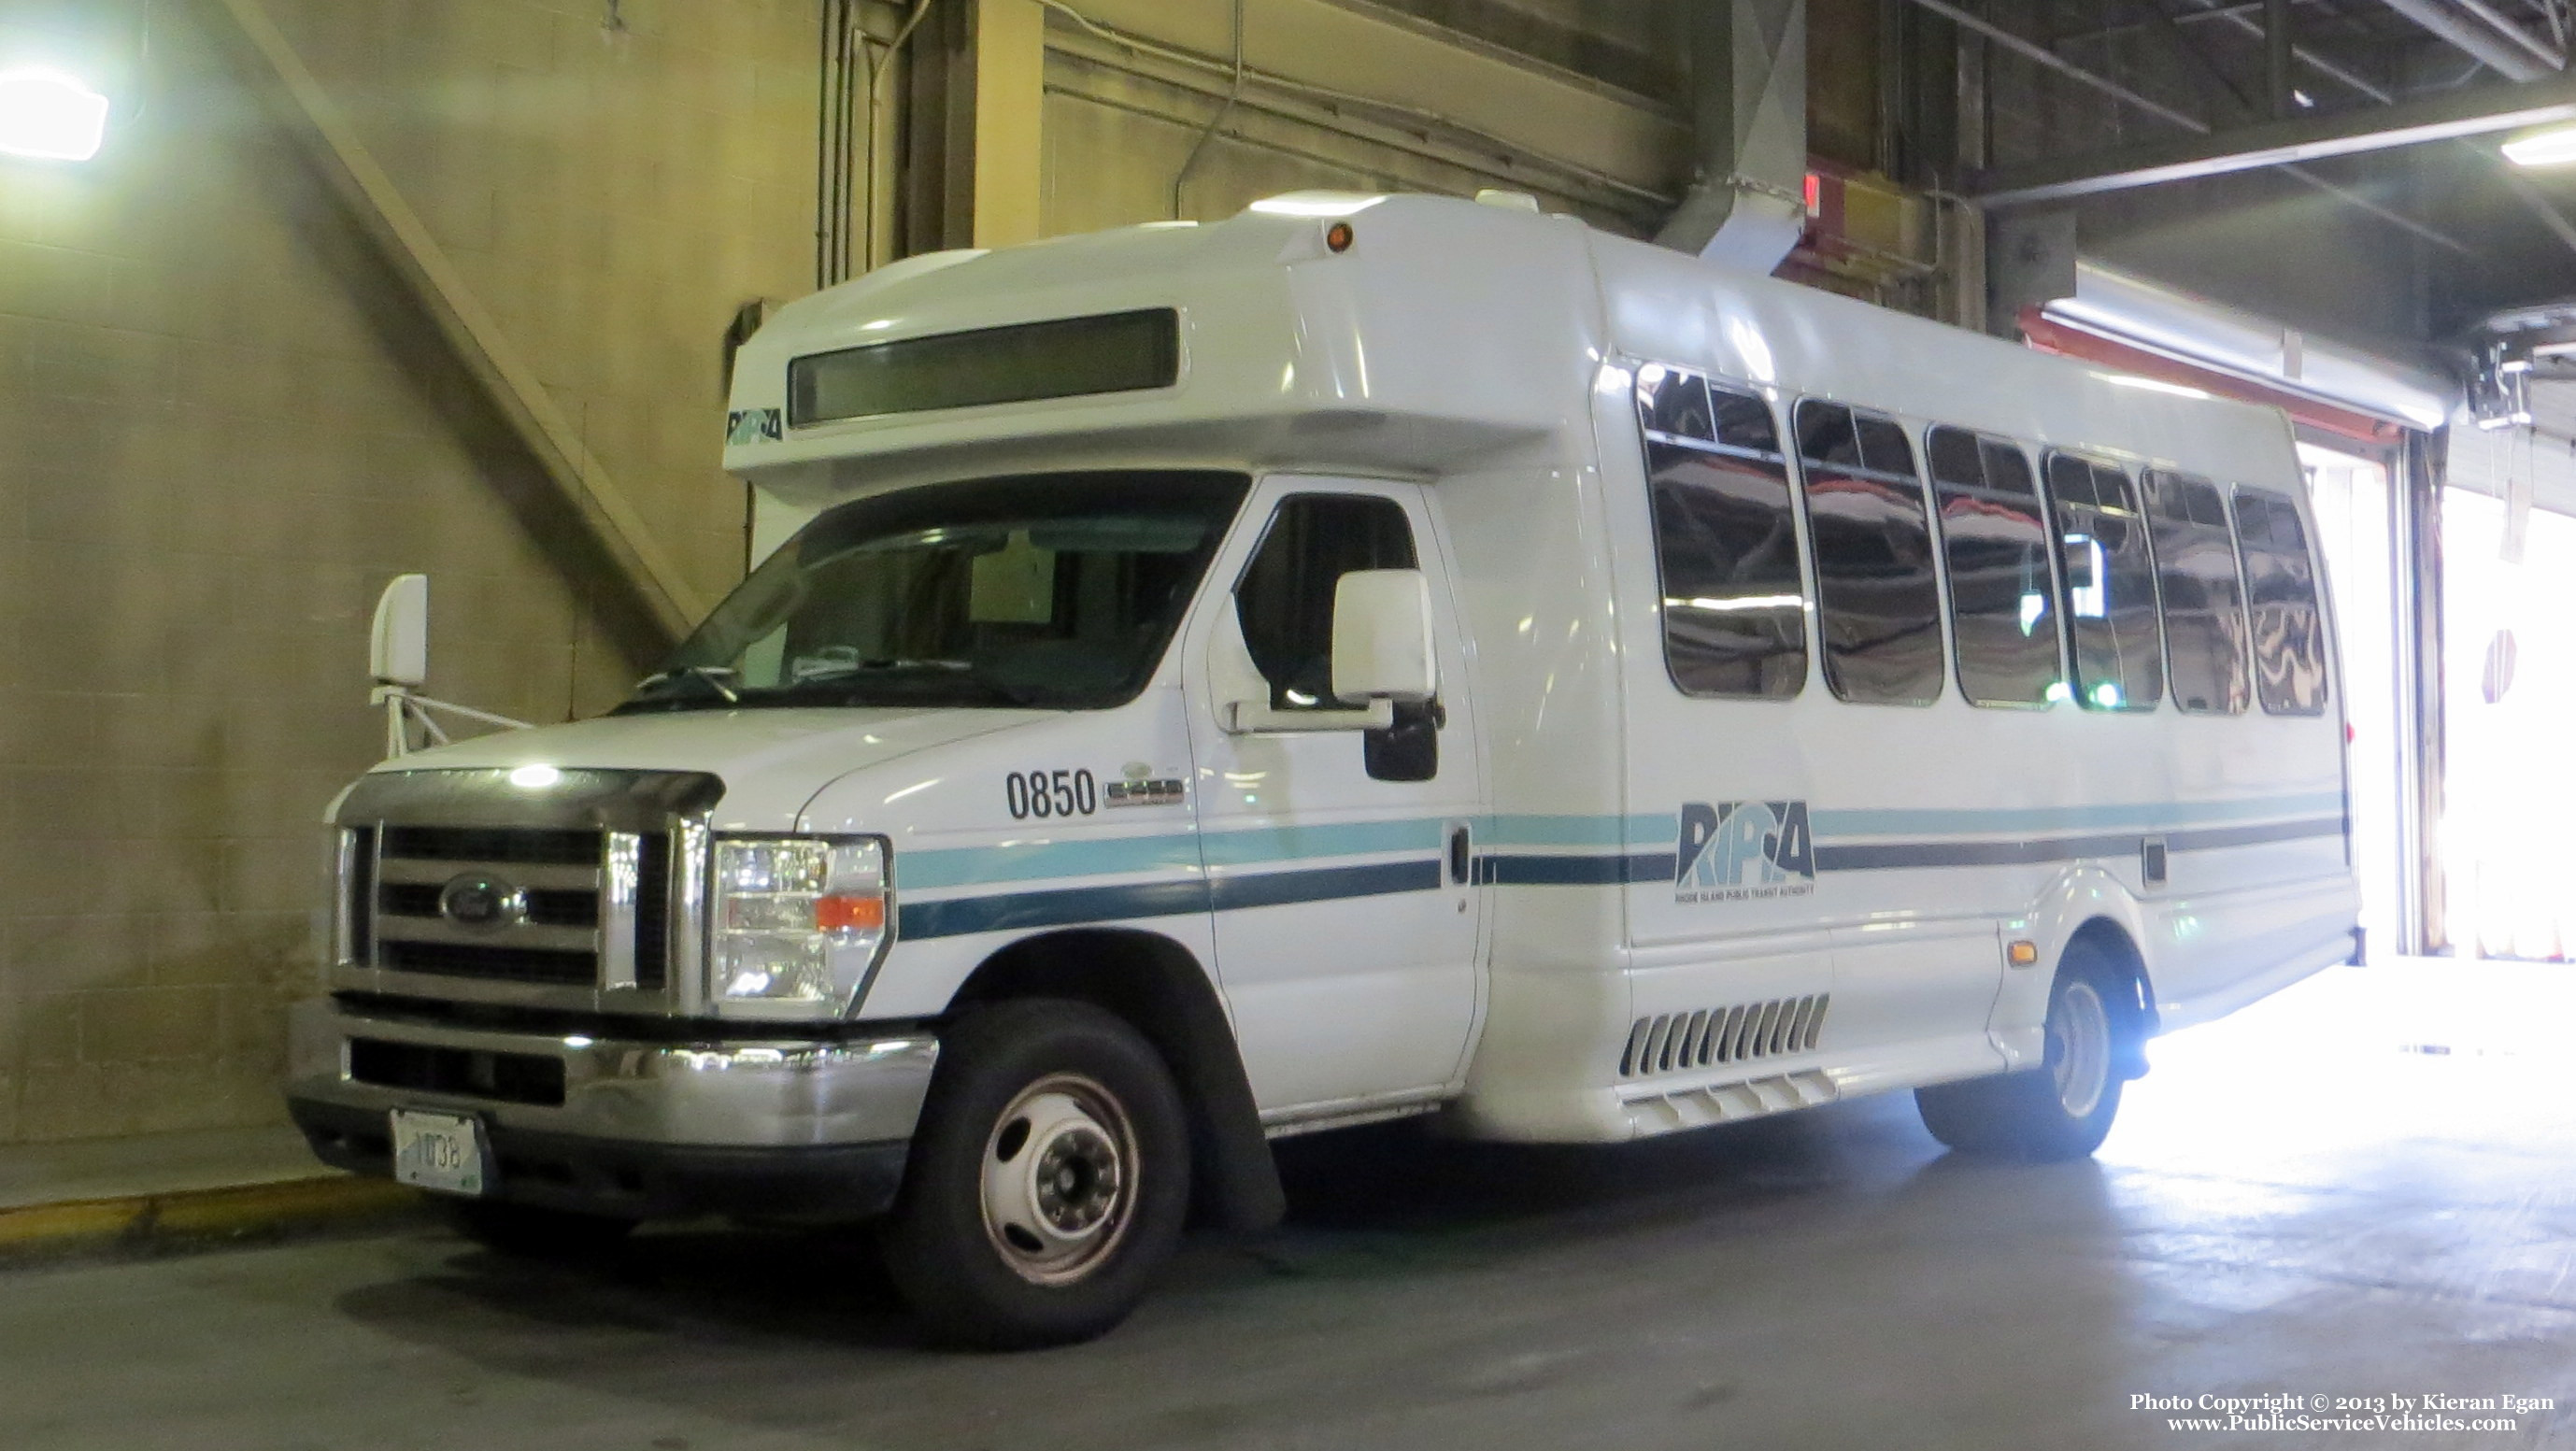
{"x":628,"y":1127}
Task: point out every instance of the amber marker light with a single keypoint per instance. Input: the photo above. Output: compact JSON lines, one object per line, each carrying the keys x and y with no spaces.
{"x":2021,"y":954}
{"x":848,"y":914}
{"x":1338,"y":236}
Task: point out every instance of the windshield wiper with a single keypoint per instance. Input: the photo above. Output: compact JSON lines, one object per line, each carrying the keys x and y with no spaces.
{"x":840,"y":667}
{"x":711,"y":676}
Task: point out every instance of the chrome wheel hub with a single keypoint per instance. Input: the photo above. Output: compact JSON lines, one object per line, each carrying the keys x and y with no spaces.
{"x":2079,"y":1049}
{"x":1059,"y":1179}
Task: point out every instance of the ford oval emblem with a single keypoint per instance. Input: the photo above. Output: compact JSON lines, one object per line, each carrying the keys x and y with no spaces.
{"x":476,"y":900}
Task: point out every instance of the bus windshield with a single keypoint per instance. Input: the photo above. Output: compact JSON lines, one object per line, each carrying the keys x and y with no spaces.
{"x":1042,"y":591}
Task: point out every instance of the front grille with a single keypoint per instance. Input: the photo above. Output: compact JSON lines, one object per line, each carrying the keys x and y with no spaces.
{"x":571,"y":908}
{"x":509,"y":1077}
{"x":556,"y":966}
{"x":358,"y":890}
{"x":491,"y":844}
{"x":559,"y":878}
{"x":1667,"y":1042}
{"x":653,"y":914}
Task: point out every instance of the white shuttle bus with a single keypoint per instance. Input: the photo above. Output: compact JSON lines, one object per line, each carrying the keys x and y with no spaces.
{"x":1375,"y":656}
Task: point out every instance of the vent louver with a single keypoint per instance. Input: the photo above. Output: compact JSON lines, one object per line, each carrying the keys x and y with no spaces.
{"x":1671,"y":1042}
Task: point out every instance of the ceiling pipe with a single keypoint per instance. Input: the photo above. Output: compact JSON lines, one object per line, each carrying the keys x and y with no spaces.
{"x":2477,"y":37}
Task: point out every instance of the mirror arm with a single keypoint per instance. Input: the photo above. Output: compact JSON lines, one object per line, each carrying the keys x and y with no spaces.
{"x":1250,"y":717}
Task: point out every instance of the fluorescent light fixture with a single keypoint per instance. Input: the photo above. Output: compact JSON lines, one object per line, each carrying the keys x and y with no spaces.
{"x":2555,"y":146}
{"x":2152,"y":385}
{"x":50,"y":116}
{"x":1321,"y":205}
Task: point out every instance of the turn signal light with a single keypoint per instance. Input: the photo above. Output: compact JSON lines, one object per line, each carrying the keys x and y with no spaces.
{"x":848,"y":914}
{"x":2021,"y":954}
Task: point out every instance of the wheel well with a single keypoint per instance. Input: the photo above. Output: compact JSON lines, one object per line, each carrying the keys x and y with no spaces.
{"x":2111,"y":942}
{"x":1157,"y":986}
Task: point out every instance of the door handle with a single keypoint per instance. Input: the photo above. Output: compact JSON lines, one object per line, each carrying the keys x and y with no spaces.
{"x":1458,"y":859}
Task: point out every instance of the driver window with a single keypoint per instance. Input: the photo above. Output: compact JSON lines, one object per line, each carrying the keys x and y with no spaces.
{"x":1285,"y":600}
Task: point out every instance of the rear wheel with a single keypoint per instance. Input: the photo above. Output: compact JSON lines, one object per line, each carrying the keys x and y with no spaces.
{"x":1048,"y":1180}
{"x":2064,"y":1108}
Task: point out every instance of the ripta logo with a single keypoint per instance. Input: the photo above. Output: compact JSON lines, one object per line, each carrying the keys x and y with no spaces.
{"x":1741,"y":851}
{"x":747,"y":426}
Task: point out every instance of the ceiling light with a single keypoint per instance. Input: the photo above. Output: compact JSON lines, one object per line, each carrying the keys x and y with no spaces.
{"x":50,"y":116}
{"x":2553,"y":147}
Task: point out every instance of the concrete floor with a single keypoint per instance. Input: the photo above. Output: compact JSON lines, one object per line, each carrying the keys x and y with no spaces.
{"x":2290,"y":1205}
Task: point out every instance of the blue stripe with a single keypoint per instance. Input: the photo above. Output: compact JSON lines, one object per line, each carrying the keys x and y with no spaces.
{"x":2044,"y":834}
{"x":1557,"y":869}
{"x":1325,"y":884}
{"x":1072,"y":906}
{"x":1019,"y":911}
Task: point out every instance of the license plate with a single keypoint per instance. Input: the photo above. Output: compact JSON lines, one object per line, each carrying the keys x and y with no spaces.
{"x":441,"y":1151}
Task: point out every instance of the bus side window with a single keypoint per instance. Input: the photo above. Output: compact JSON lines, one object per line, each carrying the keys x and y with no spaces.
{"x":2281,"y":585}
{"x":2110,"y":585}
{"x":1995,"y":544}
{"x":1726,"y":551}
{"x":1879,"y":602}
{"x":2204,"y":603}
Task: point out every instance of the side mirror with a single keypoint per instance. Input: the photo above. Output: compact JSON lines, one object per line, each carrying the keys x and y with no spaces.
{"x":398,"y":648}
{"x":1382,"y":646}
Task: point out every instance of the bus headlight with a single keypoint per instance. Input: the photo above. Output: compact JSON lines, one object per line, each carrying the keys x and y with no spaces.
{"x":797,"y":919}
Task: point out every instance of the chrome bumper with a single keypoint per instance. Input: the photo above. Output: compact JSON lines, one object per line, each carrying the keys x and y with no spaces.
{"x":733,"y":1094}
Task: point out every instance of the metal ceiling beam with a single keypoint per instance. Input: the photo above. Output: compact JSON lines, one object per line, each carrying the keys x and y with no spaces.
{"x":2277,"y":143}
{"x":2508,"y":51}
{"x":2045,"y":57}
{"x":331,"y":143}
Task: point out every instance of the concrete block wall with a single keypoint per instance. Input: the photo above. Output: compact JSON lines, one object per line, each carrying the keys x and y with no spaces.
{"x":220,"y":434}
{"x":222,"y":429}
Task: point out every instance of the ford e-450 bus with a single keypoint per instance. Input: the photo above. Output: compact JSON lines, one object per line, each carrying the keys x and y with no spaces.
{"x":1373,"y":656}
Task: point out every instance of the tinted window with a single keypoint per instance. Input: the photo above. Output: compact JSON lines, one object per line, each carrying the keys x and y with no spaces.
{"x":2003,"y":613}
{"x":2204,"y":606}
{"x":1061,"y":358}
{"x":1878,"y":601}
{"x":2110,"y":579}
{"x":1285,"y":599}
{"x":1725,"y":546}
{"x":2281,"y":585}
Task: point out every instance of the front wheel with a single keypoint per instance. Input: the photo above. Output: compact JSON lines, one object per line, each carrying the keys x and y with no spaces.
{"x":1048,"y":1180}
{"x":2063,"y":1109}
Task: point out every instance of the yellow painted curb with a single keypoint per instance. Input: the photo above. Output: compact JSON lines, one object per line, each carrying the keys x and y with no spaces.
{"x":199,"y":1213}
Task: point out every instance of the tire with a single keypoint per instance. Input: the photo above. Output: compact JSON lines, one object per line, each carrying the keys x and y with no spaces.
{"x":991,"y":1252}
{"x":2063,"y":1109}
{"x":533,"y":1232}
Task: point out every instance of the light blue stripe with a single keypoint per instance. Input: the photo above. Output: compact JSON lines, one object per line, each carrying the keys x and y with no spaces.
{"x":2141,"y":817}
{"x":1610,"y":831}
{"x":1083,"y":856}
{"x":1292,"y":843}
{"x":1090,"y":856}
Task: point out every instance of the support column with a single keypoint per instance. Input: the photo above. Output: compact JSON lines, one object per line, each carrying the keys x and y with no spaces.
{"x":1009,"y":99}
{"x":2415,"y":507}
{"x":973,"y":143}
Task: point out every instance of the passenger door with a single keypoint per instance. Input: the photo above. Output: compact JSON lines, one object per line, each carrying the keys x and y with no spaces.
{"x":1339,"y":861}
